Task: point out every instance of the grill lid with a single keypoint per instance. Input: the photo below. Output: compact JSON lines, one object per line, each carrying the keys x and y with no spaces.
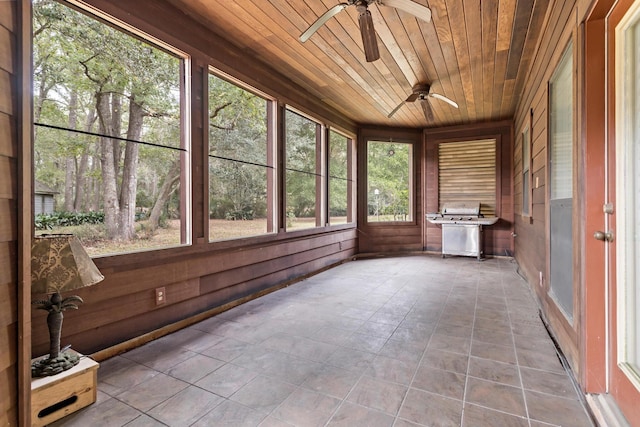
{"x":461,"y":209}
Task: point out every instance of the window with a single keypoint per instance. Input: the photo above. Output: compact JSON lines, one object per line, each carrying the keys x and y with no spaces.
{"x":110,"y":139}
{"x":627,"y":198}
{"x":303,"y":172}
{"x":389,"y":181}
{"x":526,"y":170}
{"x":241,"y":162}
{"x":561,"y":184}
{"x":467,"y":173}
{"x":340,"y":179}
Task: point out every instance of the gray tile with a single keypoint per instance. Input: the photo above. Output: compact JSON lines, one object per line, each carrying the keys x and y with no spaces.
{"x":496,"y":396}
{"x":445,"y":383}
{"x":477,"y":416}
{"x":331,"y":380}
{"x":226,"y":380}
{"x":556,"y":410}
{"x":446,"y":360}
{"x":263,"y":393}
{"x":148,"y":394}
{"x":186,"y":407}
{"x":556,"y":383}
{"x":159,"y":355}
{"x":118,"y":374}
{"x":393,"y":370}
{"x":350,"y":359}
{"x":499,"y":353}
{"x":379,"y":395}
{"x":342,"y":347}
{"x":145,"y":421}
{"x":352,"y":415}
{"x":450,"y":343}
{"x":430,"y":409}
{"x":231,"y":414}
{"x":306,"y":408}
{"x":227,"y":350}
{"x":491,"y":370}
{"x":195,"y":368}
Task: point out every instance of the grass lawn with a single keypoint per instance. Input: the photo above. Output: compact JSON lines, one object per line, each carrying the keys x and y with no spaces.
{"x":94,"y":241}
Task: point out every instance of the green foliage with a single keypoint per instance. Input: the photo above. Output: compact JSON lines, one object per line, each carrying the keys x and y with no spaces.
{"x":388,"y":171}
{"x":67,"y":219}
{"x":237,"y":134}
{"x":301,"y":164}
{"x":77,"y":60}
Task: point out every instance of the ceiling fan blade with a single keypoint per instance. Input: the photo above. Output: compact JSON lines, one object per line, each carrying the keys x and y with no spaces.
{"x":321,"y":21}
{"x":417,"y":10}
{"x":395,"y":110}
{"x":428,"y":112}
{"x":412,"y":97}
{"x":444,"y":98}
{"x":368,"y":33}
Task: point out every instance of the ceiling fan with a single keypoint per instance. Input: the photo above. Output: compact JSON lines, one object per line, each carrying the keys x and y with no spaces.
{"x":366,"y":22}
{"x":422,"y":92}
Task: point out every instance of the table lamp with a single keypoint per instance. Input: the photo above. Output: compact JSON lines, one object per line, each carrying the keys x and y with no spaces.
{"x":58,"y":263}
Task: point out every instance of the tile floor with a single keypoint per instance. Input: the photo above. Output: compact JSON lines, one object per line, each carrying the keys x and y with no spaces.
{"x":407,"y":341}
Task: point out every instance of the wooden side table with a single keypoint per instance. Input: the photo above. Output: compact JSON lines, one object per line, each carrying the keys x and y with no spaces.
{"x":59,"y":395}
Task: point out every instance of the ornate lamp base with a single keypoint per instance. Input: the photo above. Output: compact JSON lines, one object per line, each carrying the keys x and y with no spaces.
{"x":47,"y":367}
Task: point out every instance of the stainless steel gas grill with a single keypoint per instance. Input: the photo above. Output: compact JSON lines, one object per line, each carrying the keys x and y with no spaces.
{"x":462,"y":228}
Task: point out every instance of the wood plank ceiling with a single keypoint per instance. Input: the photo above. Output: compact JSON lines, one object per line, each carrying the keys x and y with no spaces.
{"x":475,"y":52}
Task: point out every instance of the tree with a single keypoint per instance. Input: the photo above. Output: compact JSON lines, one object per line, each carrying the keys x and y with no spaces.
{"x":88,"y":73}
{"x":238,"y":149}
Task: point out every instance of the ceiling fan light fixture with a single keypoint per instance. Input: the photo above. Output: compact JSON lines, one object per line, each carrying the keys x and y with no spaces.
{"x":423,"y":92}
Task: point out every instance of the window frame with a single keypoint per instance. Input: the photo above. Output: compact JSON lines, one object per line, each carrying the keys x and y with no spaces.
{"x":185,"y":123}
{"x":271,"y":160}
{"x":350,"y":178}
{"x":411,"y":184}
{"x":320,"y":172}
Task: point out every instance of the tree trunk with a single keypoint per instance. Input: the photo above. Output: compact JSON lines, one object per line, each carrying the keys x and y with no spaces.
{"x":95,"y":187}
{"x":70,"y":161}
{"x":172,"y":177}
{"x":107,"y":160}
{"x":81,"y":175}
{"x":128,"y":190}
{"x":116,"y":130}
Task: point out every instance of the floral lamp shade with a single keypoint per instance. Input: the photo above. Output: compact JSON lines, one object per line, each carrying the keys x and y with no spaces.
{"x":60,"y":263}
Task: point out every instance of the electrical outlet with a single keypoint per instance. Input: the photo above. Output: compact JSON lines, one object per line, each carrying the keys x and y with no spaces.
{"x":537,"y":181}
{"x":161,"y":296}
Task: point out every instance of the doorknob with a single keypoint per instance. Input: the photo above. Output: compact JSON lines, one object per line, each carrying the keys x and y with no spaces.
{"x":603,"y":236}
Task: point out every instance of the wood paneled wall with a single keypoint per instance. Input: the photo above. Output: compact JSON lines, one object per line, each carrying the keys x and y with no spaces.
{"x":498,"y":239}
{"x":390,"y":237}
{"x":8,"y":215}
{"x":204,"y":275}
{"x":531,"y":244}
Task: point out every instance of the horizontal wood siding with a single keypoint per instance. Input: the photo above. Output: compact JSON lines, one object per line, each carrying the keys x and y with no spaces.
{"x":498,"y":239}
{"x":8,"y":217}
{"x":531,"y":243}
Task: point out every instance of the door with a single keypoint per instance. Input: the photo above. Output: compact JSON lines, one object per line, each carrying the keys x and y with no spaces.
{"x":611,"y":335}
{"x":624,"y":186}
